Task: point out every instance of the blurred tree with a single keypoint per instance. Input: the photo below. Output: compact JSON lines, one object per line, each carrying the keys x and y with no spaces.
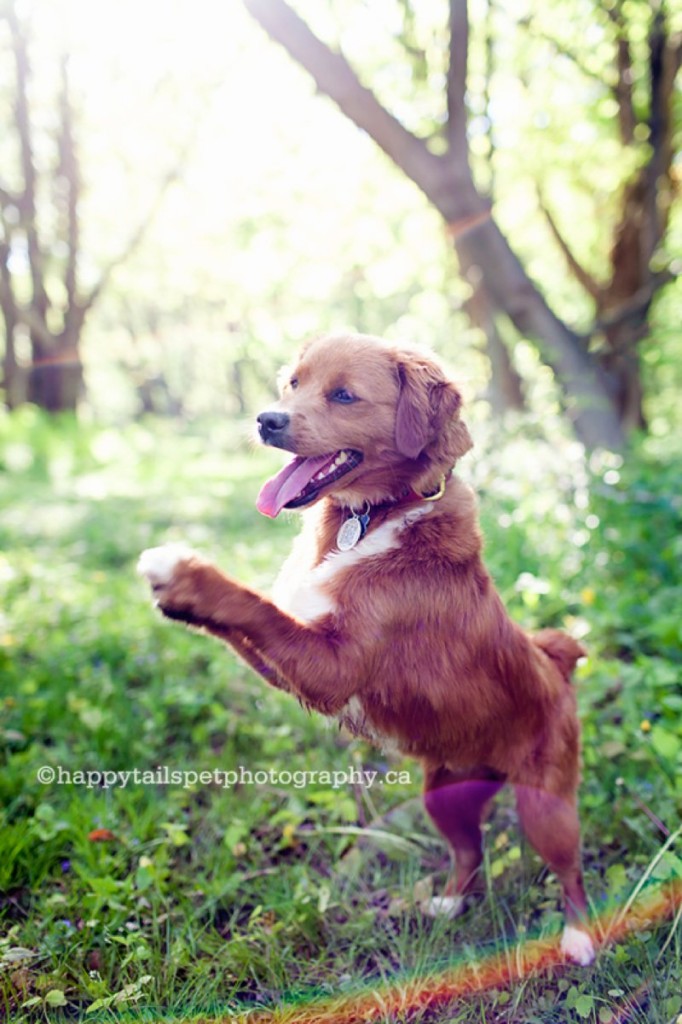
{"x":597,"y":369}
{"x":41,"y":296}
{"x":624,"y":295}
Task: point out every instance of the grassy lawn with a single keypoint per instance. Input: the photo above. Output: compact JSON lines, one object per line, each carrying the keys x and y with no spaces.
{"x":156,"y":901}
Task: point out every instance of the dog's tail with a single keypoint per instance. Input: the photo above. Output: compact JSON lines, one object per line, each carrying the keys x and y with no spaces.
{"x":561,"y":648}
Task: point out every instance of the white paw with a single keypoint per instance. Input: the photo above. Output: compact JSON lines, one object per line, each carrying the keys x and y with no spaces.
{"x":159,"y":564}
{"x":444,"y":906}
{"x":576,"y":945}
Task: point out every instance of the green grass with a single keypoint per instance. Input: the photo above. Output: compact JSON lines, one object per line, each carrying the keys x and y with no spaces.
{"x":155,"y":898}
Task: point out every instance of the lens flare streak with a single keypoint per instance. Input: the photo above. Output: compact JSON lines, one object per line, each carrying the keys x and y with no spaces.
{"x":498,"y":970}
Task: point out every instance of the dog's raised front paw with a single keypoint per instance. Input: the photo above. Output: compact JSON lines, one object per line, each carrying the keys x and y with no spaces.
{"x":174,"y":573}
{"x":158,"y":565}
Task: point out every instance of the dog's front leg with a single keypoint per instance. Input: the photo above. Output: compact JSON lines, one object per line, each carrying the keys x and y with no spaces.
{"x":254,"y":658}
{"x":314,"y":664}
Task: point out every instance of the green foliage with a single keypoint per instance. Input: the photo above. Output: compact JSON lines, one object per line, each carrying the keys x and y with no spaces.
{"x":117,"y":897}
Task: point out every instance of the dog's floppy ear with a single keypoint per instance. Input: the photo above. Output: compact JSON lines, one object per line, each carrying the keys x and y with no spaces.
{"x":428,"y":408}
{"x":412,"y":416}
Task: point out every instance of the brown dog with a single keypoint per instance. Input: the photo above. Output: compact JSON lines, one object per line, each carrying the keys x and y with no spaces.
{"x":384,"y":615}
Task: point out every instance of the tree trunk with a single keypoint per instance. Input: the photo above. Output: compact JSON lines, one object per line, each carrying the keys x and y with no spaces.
{"x":625,"y":383}
{"x":621,"y":363}
{"x":55,"y":381}
{"x":623,"y":304}
{"x":587,"y":401}
{"x":13,"y":381}
{"x":56,"y":387}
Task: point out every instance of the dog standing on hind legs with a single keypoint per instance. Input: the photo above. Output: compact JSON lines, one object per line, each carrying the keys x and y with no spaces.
{"x":384,"y":615}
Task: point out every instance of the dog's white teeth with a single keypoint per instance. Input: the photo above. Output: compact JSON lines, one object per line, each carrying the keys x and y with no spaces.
{"x":340,"y":459}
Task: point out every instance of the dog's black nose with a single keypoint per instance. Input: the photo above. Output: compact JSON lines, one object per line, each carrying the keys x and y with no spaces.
{"x":271,"y":426}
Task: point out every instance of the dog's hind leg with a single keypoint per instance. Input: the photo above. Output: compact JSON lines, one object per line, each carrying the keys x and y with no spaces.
{"x":456,"y":804}
{"x":551,"y":824}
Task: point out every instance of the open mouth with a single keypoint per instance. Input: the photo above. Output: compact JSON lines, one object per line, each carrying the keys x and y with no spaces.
{"x":302,"y":479}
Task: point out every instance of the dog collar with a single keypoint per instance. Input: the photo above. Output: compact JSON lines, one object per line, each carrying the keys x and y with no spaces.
{"x":354,"y":528}
{"x":433,"y":495}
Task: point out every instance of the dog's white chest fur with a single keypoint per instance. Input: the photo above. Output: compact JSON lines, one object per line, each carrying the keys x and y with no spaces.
{"x":307,"y":591}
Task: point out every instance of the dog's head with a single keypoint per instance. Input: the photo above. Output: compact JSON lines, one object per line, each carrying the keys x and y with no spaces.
{"x":365,"y":420}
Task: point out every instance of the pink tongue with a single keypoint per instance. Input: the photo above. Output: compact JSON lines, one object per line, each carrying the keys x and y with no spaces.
{"x":288,"y":484}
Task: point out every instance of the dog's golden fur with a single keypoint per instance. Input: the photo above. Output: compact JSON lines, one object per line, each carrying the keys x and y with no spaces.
{"x":405,"y":638}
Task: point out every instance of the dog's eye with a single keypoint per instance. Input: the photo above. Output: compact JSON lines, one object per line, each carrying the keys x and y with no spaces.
{"x":293,"y":383}
{"x":342,"y":396}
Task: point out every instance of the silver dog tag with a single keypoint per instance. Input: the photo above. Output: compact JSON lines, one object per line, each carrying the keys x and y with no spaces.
{"x":351,"y":531}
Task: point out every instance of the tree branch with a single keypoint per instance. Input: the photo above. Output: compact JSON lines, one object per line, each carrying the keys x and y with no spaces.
{"x":621,"y":87}
{"x":13,"y":313}
{"x":8,"y":198}
{"x":69,"y":172}
{"x":562,"y":50}
{"x":635,"y":308}
{"x":86,"y":303}
{"x":664,"y":58}
{"x":36,"y":326}
{"x":588,"y":282}
{"x":627,"y":119}
{"x":456,"y":81}
{"x":676,"y":53}
{"x":27,"y":204}
{"x":336,"y":79}
{"x":9,"y":316}
{"x":490,"y":48}
{"x":7,"y":301}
